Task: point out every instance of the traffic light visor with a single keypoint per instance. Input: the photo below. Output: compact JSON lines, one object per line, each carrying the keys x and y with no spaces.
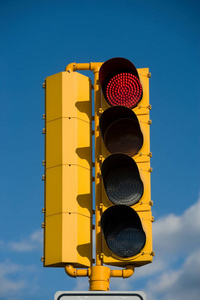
{"x":120,"y":82}
{"x":122,"y":181}
{"x":123,"y":231}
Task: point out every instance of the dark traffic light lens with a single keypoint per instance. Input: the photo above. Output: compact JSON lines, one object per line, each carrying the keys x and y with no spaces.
{"x":124,"y":89}
{"x":124,"y":136}
{"x":123,"y":232}
{"x":121,"y":131}
{"x":123,"y":186}
{"x":125,"y":241}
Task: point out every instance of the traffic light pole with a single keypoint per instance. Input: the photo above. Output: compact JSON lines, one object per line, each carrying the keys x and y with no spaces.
{"x":99,"y":275}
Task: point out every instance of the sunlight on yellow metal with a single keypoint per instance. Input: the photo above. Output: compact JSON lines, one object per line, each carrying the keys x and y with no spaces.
{"x":100,"y":278}
{"x":68,"y":174}
{"x":68,"y":156}
{"x":142,"y":159}
{"x":93,"y":66}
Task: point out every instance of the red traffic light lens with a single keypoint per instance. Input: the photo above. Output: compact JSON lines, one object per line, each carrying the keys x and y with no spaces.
{"x":124,"y":89}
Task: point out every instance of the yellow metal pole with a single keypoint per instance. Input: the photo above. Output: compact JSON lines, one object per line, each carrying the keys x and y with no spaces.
{"x":97,"y":104}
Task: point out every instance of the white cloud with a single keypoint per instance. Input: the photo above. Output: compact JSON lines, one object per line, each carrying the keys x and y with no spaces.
{"x":14,"y":281}
{"x":17,"y":280}
{"x":30,"y":243}
{"x":174,"y":273}
{"x":178,"y":234}
{"x":180,"y":284}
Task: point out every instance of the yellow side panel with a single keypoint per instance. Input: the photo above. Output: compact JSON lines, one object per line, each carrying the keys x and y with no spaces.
{"x":68,"y":95}
{"x":68,"y":189}
{"x":66,"y":243}
{"x":68,"y":170}
{"x":68,"y":142}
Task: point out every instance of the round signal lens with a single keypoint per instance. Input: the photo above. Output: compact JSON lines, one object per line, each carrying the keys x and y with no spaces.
{"x":124,"y":240}
{"x":124,"y":136}
{"x":123,"y":186}
{"x":123,"y":231}
{"x":124,"y":89}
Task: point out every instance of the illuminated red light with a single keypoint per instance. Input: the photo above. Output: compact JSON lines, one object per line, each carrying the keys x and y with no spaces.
{"x":124,"y":89}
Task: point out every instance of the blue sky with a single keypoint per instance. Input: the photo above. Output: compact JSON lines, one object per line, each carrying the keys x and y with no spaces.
{"x":38,"y":39}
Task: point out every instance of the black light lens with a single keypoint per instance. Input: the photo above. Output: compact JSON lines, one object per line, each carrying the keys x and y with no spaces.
{"x":123,"y":186}
{"x":121,"y":130}
{"x":123,"y":231}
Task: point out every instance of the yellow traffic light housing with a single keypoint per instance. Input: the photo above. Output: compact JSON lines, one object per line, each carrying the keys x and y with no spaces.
{"x":123,"y":219}
{"x":125,"y":171}
{"x":68,"y":170}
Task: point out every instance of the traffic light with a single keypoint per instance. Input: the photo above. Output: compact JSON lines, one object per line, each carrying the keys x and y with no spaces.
{"x":68,"y":171}
{"x":126,"y":220}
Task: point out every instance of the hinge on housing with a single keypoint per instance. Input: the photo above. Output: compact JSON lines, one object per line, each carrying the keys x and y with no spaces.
{"x":101,"y":256}
{"x":43,"y":130}
{"x":148,"y":154}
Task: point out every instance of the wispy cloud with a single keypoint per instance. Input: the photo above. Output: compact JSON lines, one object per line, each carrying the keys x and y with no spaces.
{"x":174,"y":272}
{"x":27,"y":244}
{"x":14,"y":281}
{"x":18,"y":279}
{"x":181,"y":283}
{"x":174,"y":233}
